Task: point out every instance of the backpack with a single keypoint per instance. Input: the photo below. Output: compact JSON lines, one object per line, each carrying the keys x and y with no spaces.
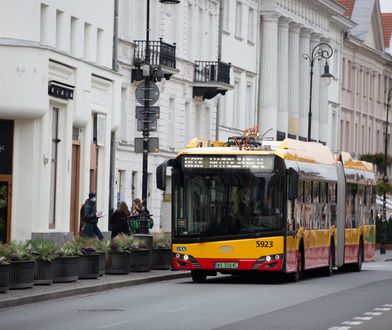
{"x":82,"y":222}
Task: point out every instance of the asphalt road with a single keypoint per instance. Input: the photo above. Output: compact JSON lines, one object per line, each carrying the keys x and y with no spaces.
{"x":345,"y":301}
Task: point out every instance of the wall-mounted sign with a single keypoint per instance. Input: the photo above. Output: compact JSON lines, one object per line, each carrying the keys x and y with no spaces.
{"x":60,"y":90}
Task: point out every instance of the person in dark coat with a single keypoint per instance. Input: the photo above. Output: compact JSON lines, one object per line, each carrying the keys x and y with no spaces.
{"x":118,"y":221}
{"x":91,"y":217}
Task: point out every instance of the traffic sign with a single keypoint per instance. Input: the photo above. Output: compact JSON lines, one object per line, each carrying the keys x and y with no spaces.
{"x":152,"y":112}
{"x":152,"y":125}
{"x":152,"y":93}
{"x":153,"y":144}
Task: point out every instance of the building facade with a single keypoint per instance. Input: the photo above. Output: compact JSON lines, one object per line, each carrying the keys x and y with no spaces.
{"x":59,"y":101}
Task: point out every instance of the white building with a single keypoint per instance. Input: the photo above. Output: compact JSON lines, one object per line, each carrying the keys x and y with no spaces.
{"x":276,"y":71}
{"x":189,"y":33}
{"x":59,"y":101}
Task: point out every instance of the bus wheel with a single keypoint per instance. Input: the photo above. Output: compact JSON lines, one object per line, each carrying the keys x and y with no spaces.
{"x":198,"y":276}
{"x":297,"y":275}
{"x":358,"y":266}
{"x":328,"y":271}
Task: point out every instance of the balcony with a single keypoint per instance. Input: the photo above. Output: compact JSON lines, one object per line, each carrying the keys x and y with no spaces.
{"x":162,"y":54}
{"x":211,"y":78}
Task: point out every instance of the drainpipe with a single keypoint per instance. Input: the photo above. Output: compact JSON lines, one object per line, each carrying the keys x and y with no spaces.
{"x":218,"y":102}
{"x":113,"y":133}
{"x":256,"y":94}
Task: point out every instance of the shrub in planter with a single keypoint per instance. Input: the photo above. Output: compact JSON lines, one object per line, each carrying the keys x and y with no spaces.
{"x":44,"y":252}
{"x":65,"y":266}
{"x":119,"y":255}
{"x":4,"y":274}
{"x":161,"y":252}
{"x":21,"y":271}
{"x":88,"y":263}
{"x":140,"y":255}
{"x":102,"y":248}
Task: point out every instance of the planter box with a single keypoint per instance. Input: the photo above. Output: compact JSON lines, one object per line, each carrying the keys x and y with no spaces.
{"x":65,"y":269}
{"x":43,"y":272}
{"x":88,"y":266}
{"x":4,"y":278}
{"x":140,"y":261}
{"x":161,"y":258}
{"x":118,"y":263}
{"x":102,"y":261}
{"x":21,"y":274}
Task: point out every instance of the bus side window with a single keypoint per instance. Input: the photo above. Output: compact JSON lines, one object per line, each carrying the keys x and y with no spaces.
{"x":308,"y":192}
{"x":323,"y":192}
{"x":316,"y":192}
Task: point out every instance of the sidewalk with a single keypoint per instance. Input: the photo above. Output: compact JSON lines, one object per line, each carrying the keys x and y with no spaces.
{"x":106,"y":282}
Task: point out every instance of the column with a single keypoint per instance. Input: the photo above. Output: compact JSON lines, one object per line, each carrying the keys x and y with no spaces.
{"x":283,"y":77}
{"x":304,"y":65}
{"x":268,"y":100}
{"x":314,"y":41}
{"x":294,"y":79}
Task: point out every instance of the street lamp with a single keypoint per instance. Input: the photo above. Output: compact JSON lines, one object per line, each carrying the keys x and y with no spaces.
{"x":318,"y":53}
{"x":147,"y":73}
{"x":383,"y":236}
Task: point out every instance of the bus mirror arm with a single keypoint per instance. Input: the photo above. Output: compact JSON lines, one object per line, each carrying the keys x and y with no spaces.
{"x":293,"y":183}
{"x":161,"y":174}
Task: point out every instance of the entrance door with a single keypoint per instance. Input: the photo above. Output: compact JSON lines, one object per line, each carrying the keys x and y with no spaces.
{"x":5,"y":207}
{"x":75,"y":175}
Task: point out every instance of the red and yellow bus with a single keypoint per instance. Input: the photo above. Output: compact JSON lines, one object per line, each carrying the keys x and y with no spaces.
{"x":284,"y":207}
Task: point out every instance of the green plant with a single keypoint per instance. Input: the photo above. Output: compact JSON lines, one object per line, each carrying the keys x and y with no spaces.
{"x":68,"y":249}
{"x":3,"y":261}
{"x":101,"y":246}
{"x":125,"y":243}
{"x":161,"y":241}
{"x":43,"y":249}
{"x":16,"y":251}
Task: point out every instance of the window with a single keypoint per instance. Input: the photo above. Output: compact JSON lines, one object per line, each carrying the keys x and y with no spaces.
{"x":74,"y":36}
{"x":251,"y":22}
{"x":308,"y":192}
{"x":190,"y":32}
{"x":59,"y":29}
{"x":226,"y":13}
{"x":171,"y":123}
{"x":124,"y":116}
{"x":100,"y":46}
{"x":238,"y":20}
{"x":44,"y":31}
{"x":344,"y":73}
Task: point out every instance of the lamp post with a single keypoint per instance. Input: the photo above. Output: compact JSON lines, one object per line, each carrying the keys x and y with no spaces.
{"x":383,"y":236}
{"x":147,"y":72}
{"x":318,"y":52}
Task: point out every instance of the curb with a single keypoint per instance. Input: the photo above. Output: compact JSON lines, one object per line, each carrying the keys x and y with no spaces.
{"x":90,"y":289}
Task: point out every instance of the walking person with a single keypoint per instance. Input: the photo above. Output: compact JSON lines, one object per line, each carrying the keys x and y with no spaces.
{"x":118,"y":220}
{"x":91,"y":216}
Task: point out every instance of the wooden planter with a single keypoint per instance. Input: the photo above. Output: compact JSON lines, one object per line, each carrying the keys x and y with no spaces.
{"x":161,"y":258}
{"x":88,"y":266}
{"x":140,"y":261}
{"x":43,"y":272}
{"x":21,"y":274}
{"x":4,"y":278}
{"x":65,"y":269}
{"x":102,"y":261}
{"x":117,"y":263}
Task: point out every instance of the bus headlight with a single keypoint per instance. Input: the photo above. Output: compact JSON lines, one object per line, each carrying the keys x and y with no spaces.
{"x":186,"y":257}
{"x":268,"y":258}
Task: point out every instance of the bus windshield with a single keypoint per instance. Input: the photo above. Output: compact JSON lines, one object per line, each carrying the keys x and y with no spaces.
{"x":228,"y":203}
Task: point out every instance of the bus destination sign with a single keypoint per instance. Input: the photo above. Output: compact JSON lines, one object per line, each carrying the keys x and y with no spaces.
{"x":255,"y":163}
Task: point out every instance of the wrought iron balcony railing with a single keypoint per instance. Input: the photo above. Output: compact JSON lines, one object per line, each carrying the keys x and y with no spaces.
{"x":212,"y":71}
{"x":161,"y":53}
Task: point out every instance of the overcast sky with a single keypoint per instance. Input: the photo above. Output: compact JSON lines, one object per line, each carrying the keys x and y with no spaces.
{"x":386,"y":6}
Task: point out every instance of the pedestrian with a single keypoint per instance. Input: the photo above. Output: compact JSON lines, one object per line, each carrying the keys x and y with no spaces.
{"x":91,"y":216}
{"x":136,"y":207}
{"x":118,"y":220}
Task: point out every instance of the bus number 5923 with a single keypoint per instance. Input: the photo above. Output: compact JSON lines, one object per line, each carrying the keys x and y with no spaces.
{"x":266,"y":244}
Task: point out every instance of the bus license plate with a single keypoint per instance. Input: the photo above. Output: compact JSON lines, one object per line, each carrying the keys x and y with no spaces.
{"x":226,"y":265}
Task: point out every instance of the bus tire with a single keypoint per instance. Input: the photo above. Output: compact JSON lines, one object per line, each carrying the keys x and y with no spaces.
{"x":328,"y":271}
{"x":357,"y":267}
{"x":198,"y":276}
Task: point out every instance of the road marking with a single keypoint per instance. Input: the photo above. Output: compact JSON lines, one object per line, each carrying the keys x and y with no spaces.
{"x":339,"y":328}
{"x":111,"y":325}
{"x":363,"y":318}
{"x":352,"y":322}
{"x":387,"y":305}
{"x":178,"y":309}
{"x":382,"y":309}
{"x":373,"y":313}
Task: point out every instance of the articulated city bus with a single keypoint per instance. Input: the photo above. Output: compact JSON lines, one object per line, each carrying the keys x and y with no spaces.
{"x":284,"y":207}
